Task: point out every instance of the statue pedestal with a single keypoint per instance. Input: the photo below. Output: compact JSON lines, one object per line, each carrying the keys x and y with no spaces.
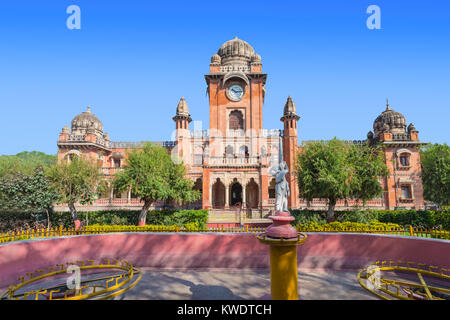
{"x":283,"y":240}
{"x":281,"y":227}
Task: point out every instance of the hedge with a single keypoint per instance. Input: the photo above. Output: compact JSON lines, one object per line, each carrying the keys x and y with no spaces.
{"x":415,"y":218}
{"x":347,"y":225}
{"x":10,"y":221}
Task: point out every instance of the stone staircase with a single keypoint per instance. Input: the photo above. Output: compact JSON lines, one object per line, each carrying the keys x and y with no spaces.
{"x":231,"y":216}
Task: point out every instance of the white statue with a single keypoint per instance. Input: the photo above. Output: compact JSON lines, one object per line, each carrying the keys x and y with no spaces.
{"x":282,"y":186}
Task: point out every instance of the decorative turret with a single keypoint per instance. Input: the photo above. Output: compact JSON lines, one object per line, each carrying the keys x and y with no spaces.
{"x":215,"y":60}
{"x":290,"y":146}
{"x":290,"y":111}
{"x":255,"y":59}
{"x":182,"y":117}
{"x":412,"y":128}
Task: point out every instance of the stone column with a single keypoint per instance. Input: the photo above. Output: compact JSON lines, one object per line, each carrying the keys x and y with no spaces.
{"x":244,"y":196}
{"x":210,"y":196}
{"x":111,"y":194}
{"x":244,"y":202}
{"x":227,"y":196}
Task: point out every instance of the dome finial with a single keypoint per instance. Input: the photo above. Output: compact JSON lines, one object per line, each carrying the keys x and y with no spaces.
{"x":387,"y":104}
{"x":88,"y":109}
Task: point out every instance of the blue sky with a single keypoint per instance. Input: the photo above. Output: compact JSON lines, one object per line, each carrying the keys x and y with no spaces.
{"x":131,"y":61}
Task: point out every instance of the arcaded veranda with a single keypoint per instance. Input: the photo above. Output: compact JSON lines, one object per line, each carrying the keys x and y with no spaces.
{"x":224,"y":265}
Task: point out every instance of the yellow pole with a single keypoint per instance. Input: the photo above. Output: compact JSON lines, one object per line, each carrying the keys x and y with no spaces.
{"x":283,"y":272}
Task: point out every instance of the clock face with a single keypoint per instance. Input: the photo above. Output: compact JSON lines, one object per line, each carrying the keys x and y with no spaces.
{"x":235,"y":92}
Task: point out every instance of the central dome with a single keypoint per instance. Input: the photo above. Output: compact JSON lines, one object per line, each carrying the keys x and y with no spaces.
{"x":236,"y":51}
{"x":389,"y":121}
{"x":86,"y":122}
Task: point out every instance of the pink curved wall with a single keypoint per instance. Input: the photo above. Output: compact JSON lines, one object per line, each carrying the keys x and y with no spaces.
{"x":167,"y":250}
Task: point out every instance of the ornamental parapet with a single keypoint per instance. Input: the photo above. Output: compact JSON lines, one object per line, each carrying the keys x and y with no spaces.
{"x":231,"y":161}
{"x":132,"y":145}
{"x":84,"y":140}
{"x":358,"y":142}
{"x":401,"y":137}
{"x":199,"y":133}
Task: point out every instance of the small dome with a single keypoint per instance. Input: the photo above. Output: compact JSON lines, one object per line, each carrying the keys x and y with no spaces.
{"x":289,"y":107}
{"x":86,"y":122}
{"x":182,"y":108}
{"x":389,"y":121}
{"x":236,"y":51}
{"x":290,"y":111}
{"x":255,"y":59}
{"x":66,"y":129}
{"x":215,"y":59}
{"x":411,"y":128}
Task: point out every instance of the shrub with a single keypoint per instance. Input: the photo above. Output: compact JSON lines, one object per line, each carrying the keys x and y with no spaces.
{"x":418,"y":219}
{"x":17,"y":221}
{"x":359,"y":216}
{"x":131,"y":228}
{"x":344,"y":226}
{"x":308,"y":216}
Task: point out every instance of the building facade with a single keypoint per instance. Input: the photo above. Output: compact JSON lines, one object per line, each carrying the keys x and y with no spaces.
{"x":229,"y":162}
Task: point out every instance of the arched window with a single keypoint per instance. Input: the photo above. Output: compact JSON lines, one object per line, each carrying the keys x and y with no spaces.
{"x":272,"y":189}
{"x":198,"y":185}
{"x":263,"y":151}
{"x":229,"y":152}
{"x":243,"y":151}
{"x":404,"y":159}
{"x":236,"y":121}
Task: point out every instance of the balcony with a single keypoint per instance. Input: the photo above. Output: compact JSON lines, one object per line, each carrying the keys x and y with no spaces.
{"x":232,"y":161}
{"x":111,"y":171}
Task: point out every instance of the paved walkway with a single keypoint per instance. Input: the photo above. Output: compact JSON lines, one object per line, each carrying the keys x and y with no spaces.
{"x":242,"y":284}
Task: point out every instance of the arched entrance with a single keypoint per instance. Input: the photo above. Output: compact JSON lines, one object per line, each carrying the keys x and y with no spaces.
{"x":251,"y":194}
{"x":272,"y":185}
{"x":198,"y":185}
{"x":218,"y":194}
{"x":235,"y":194}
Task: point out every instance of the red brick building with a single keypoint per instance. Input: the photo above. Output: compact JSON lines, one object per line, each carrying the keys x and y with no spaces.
{"x":229,"y":162}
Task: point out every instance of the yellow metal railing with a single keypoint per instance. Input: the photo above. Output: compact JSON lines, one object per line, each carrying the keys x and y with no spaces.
{"x":398,"y":231}
{"x":388,"y":280}
{"x":125,"y":276}
{"x":90,"y":230}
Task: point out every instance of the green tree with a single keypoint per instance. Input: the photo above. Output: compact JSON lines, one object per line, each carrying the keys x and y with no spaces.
{"x":75,"y":182}
{"x":368,"y":167}
{"x":152,"y":175}
{"x":24,"y":162}
{"x":28,"y":193}
{"x":335,"y":170}
{"x":436,"y":173}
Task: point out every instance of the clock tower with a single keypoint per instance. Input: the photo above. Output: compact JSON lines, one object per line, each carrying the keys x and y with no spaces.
{"x":236,"y":89}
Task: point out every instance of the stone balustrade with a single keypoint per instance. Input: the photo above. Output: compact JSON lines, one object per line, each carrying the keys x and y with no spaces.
{"x":241,"y":161}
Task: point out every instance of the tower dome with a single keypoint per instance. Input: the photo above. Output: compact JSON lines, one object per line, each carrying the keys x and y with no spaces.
{"x":236,"y":51}
{"x":86,"y":122}
{"x":215,"y":59}
{"x":389,"y":121}
{"x":255,"y":59}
